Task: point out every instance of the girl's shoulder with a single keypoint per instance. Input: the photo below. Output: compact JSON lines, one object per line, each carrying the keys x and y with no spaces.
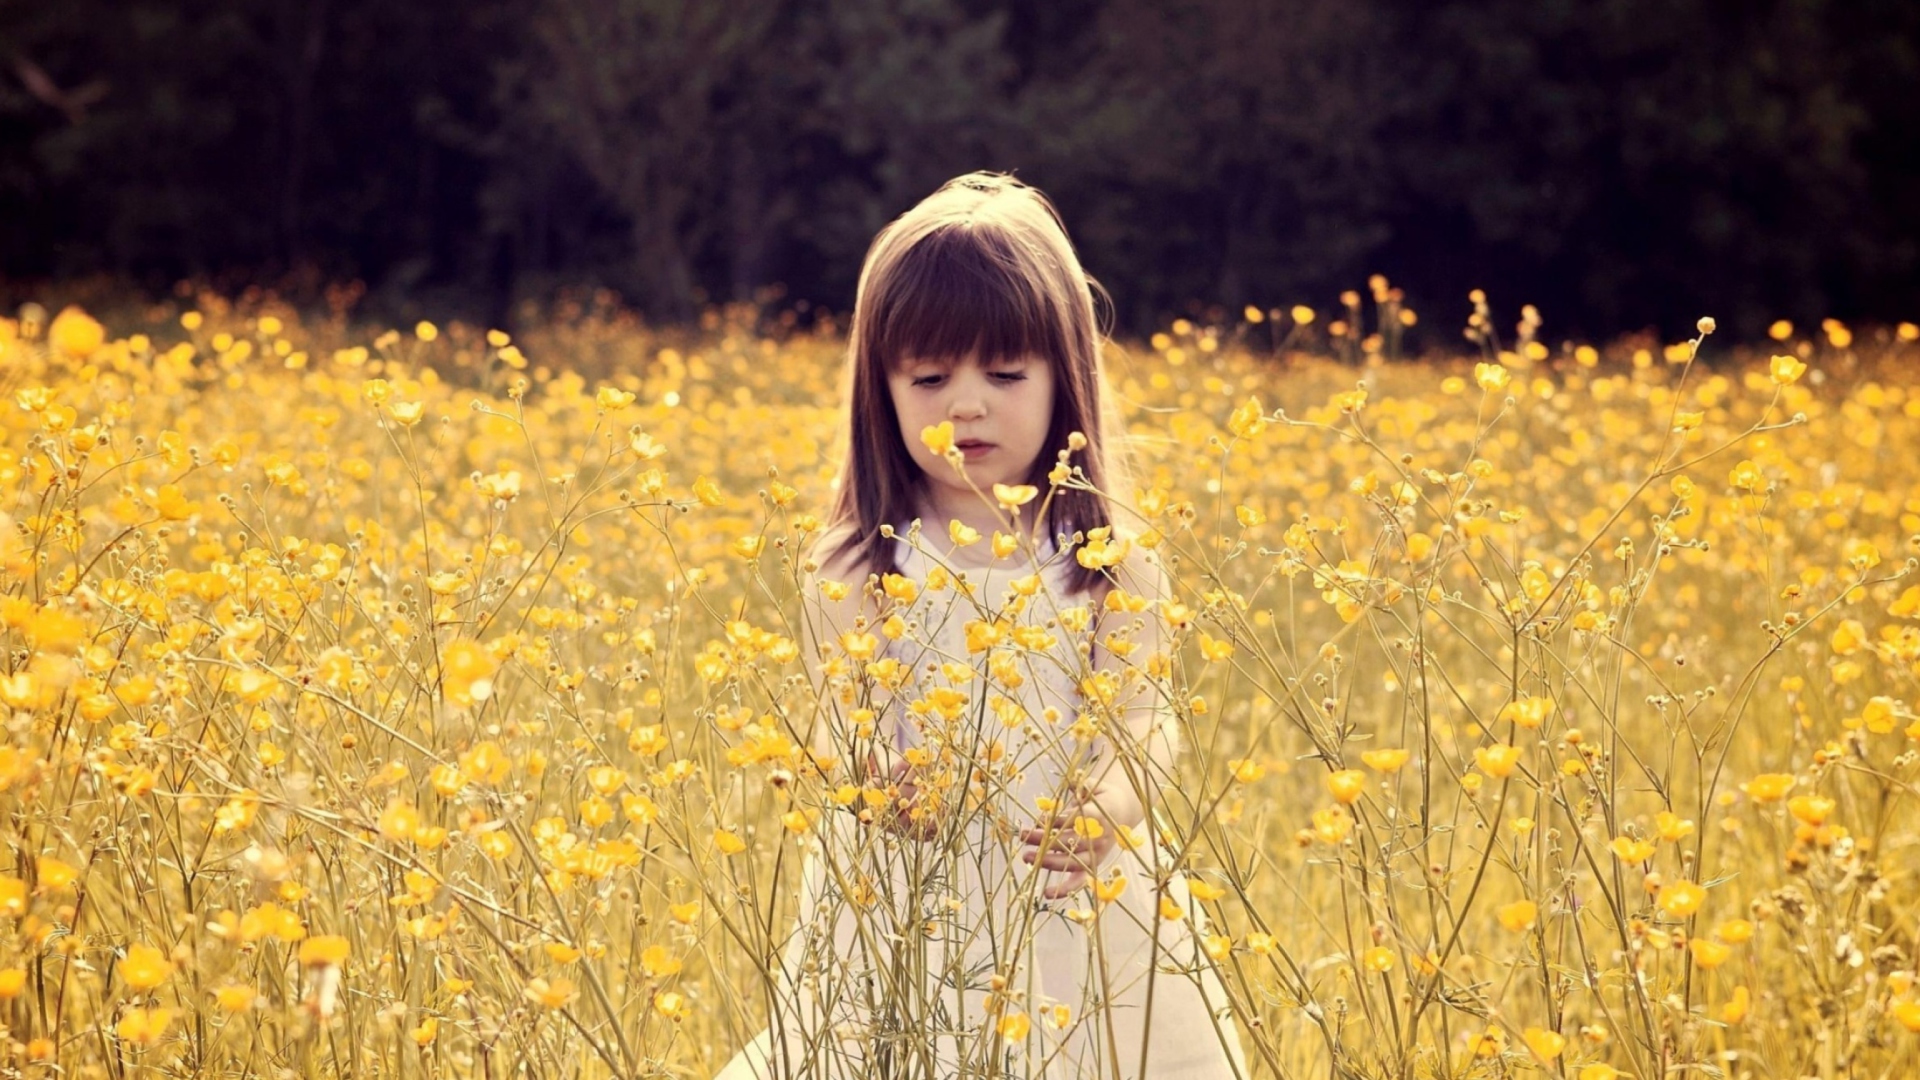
{"x":835,"y":557}
{"x":835,"y":586}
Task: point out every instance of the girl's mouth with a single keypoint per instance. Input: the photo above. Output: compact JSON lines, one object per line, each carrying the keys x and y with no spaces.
{"x":973,"y":448}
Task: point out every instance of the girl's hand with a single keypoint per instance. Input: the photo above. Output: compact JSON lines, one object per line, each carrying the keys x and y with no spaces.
{"x":898,"y":815}
{"x":1075,"y":842}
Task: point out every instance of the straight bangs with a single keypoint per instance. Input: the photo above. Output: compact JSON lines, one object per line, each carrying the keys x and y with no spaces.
{"x":963,"y":291}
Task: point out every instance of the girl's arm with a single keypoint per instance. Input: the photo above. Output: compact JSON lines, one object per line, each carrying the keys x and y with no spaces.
{"x":1142,"y":728}
{"x":823,"y":620}
{"x":1141,"y":732}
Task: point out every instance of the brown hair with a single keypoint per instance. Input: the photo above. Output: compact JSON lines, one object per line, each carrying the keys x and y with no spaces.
{"x":981,"y":267}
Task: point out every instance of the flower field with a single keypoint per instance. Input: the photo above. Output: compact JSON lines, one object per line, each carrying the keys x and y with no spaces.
{"x":433,"y":702}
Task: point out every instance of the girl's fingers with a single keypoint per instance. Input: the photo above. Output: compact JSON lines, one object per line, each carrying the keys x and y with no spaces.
{"x":1067,"y":840}
{"x":1056,"y":861}
{"x":1072,"y":883}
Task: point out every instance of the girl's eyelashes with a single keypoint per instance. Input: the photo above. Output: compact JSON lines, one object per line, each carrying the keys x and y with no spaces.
{"x":997,"y":376}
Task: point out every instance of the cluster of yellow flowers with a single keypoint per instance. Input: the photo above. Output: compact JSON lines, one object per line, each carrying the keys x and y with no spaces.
{"x":440,"y":697}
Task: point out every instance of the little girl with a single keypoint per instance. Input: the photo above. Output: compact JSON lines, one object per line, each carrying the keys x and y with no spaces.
{"x":989,"y":895}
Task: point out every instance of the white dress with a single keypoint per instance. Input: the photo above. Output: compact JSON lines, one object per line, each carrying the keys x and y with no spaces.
{"x":937,"y":960}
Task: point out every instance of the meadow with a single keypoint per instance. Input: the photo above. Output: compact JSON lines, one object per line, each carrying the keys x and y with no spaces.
{"x":429,"y":701}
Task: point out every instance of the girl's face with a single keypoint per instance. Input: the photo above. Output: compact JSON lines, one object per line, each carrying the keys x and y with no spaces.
{"x":1000,"y":412}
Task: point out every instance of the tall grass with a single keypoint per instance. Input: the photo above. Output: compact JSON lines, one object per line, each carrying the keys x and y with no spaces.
{"x":434,"y":703}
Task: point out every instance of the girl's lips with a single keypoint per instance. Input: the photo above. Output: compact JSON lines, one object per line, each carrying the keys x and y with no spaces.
{"x":973,"y":448}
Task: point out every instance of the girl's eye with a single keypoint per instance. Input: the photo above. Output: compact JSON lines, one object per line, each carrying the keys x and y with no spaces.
{"x":1009,"y":376}
{"x":927,"y":380}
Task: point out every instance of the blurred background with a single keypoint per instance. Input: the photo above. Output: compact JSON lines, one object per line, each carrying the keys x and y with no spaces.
{"x":1622,"y":164}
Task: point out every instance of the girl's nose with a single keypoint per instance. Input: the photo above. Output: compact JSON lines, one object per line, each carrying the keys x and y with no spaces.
{"x":967,"y":405}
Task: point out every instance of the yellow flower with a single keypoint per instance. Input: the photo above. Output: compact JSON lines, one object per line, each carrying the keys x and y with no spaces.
{"x":1518,"y":916}
{"x":399,"y":822}
{"x":1331,"y":825}
{"x":1629,"y":850}
{"x":605,"y":779}
{"x":1527,"y":712}
{"x":1708,"y":953}
{"x":1680,"y":898}
{"x":1492,"y":378}
{"x":173,"y":505}
{"x":1347,"y":785}
{"x":671,"y":1004}
{"x":54,"y":874}
{"x":962,"y":534}
{"x":1768,"y":787}
{"x":1546,"y":1045}
{"x":658,"y":963}
{"x":1497,"y":761}
{"x":144,"y":967}
{"x":938,"y":437}
{"x":1385,"y":760}
{"x":1014,"y":1027}
{"x":728,"y":843}
{"x":1246,"y":770}
{"x":1249,"y":419}
{"x":1013,"y":496}
{"x":76,"y":333}
{"x":1737,"y":1005}
{"x":143,"y":1027}
{"x":552,"y":995}
{"x":12,"y":981}
{"x":1849,"y":637}
{"x":1785,"y":370}
{"x":324,"y":950}
{"x":1812,"y":809}
{"x":1734,"y":931}
{"x":1378,"y":959}
{"x":1672,"y":827}
{"x":234,"y":998}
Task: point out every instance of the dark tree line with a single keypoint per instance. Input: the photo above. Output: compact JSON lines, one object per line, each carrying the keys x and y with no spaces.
{"x":1618,"y":162}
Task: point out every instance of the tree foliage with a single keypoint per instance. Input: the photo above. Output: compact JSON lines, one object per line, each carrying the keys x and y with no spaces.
{"x":1618,"y":162}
